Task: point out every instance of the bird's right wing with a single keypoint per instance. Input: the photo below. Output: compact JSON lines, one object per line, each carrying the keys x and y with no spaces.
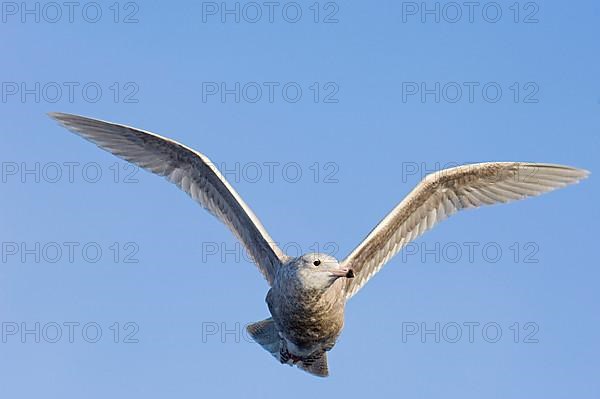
{"x":443,"y":193}
{"x":191,"y":171}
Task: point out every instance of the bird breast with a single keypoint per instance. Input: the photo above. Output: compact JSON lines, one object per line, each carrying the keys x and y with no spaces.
{"x":307,"y":316}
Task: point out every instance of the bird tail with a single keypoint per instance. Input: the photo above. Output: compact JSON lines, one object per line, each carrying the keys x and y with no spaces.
{"x":265,"y":334}
{"x":315,"y":364}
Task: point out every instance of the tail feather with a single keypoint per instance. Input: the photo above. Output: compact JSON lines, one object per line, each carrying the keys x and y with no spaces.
{"x":265,"y":334}
{"x":315,"y":365}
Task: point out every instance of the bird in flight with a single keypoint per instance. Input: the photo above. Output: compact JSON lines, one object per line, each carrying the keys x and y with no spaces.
{"x":308,"y":293}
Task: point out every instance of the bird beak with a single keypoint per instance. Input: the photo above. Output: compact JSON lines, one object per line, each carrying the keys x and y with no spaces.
{"x":344,"y":272}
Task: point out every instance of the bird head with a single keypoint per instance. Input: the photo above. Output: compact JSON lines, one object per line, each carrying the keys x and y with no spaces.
{"x":320,"y":271}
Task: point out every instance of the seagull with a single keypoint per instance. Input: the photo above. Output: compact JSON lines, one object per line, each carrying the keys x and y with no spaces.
{"x":308,"y":294}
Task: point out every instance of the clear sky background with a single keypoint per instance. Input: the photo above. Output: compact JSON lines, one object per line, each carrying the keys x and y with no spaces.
{"x":369,"y":137}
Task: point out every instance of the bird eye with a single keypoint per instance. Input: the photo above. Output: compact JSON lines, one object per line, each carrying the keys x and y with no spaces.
{"x":317,"y":262}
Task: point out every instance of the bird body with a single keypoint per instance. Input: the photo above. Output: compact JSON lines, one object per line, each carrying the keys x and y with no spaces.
{"x":308,"y":294}
{"x":308,"y":318}
{"x":307,"y":309}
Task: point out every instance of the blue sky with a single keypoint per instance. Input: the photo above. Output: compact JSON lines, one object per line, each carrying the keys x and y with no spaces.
{"x":385,"y":97}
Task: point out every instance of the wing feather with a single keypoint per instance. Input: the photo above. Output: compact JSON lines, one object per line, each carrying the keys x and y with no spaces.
{"x":444,"y":193}
{"x":192,"y":172}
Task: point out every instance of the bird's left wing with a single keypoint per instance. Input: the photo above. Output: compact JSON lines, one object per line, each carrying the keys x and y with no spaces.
{"x":443,"y":193}
{"x":192,"y":172}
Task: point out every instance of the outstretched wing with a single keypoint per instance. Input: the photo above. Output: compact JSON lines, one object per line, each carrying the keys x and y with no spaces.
{"x":442,"y":194}
{"x":191,"y":171}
